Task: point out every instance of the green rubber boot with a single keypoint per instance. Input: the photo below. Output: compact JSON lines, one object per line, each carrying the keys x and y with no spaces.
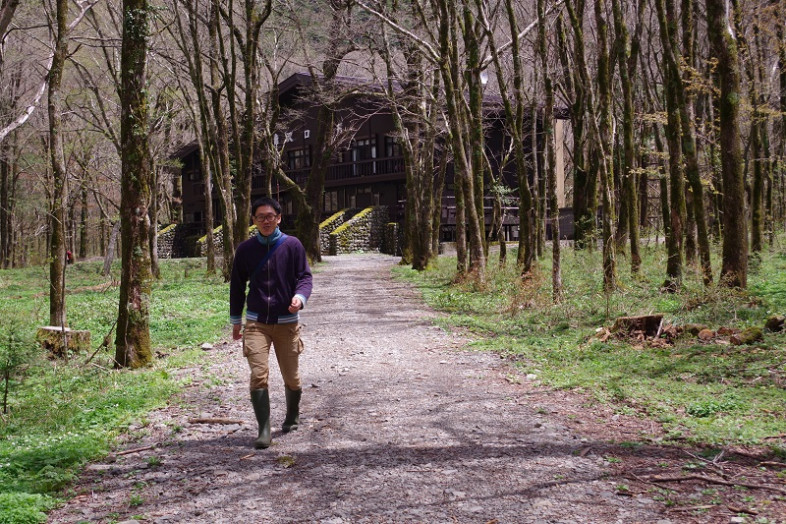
{"x":261,"y":402}
{"x":293,"y":409}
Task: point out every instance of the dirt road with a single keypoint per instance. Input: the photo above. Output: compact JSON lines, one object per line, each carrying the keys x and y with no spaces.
{"x":400,"y":423}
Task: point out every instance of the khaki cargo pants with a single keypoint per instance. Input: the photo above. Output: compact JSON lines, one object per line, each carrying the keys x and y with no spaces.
{"x":285,"y":339}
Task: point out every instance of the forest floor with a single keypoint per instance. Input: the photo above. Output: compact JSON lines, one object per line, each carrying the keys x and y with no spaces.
{"x":401,"y":422}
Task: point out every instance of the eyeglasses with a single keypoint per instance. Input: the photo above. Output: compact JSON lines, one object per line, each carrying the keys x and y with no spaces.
{"x":266,"y":218}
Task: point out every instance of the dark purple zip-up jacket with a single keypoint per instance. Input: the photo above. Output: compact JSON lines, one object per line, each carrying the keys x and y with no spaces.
{"x":285,"y":275}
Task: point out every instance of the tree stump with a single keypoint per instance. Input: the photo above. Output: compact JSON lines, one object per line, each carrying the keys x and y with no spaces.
{"x":52,"y":338}
{"x":649,"y":325}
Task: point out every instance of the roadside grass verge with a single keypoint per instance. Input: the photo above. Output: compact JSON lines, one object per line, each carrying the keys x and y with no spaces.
{"x":705,"y":393}
{"x":63,"y":414}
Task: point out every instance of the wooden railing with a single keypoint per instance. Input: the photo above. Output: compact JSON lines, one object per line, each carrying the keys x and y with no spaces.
{"x":350,"y":170}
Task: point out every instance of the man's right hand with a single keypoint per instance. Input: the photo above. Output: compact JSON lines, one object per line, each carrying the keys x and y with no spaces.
{"x":236,"y":331}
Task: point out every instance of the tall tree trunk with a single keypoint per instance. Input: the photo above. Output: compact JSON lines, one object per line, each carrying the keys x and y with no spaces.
{"x":551,"y":160}
{"x":417,"y":141}
{"x":603,"y":140}
{"x":675,"y":230}
{"x":472,"y":41}
{"x":781,"y":167}
{"x":514,"y":106}
{"x":461,"y":223}
{"x":308,"y":217}
{"x":459,"y":122}
{"x":210,"y":240}
{"x":584,"y":178}
{"x":132,"y":342}
{"x":205,"y":127}
{"x":687,"y":121}
{"x":734,"y":266}
{"x":8,"y":177}
{"x":326,"y":137}
{"x":629,"y":199}
{"x":83,"y":222}
{"x":538,"y":181}
{"x":255,"y":17}
{"x":222,"y":169}
{"x":57,"y":246}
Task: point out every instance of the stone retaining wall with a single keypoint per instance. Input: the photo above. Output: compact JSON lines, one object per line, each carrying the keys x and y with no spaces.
{"x":166,"y":241}
{"x":329,"y":225}
{"x":218,"y":240}
{"x":364,"y":232}
{"x":391,"y":243}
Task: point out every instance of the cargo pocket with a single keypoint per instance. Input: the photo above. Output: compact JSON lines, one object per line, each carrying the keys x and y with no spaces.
{"x":299,"y":347}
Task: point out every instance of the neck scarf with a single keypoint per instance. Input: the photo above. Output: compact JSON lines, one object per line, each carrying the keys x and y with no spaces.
{"x":269,"y":240}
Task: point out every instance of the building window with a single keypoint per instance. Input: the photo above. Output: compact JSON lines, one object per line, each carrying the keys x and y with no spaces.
{"x":299,"y":158}
{"x":392,"y":147}
{"x":331,"y":201}
{"x":362,"y":151}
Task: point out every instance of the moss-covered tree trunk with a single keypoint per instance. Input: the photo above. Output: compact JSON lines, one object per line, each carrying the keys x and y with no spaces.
{"x":458,"y":119}
{"x":514,"y":106}
{"x":584,"y":178}
{"x":473,"y":39}
{"x":626,"y":61}
{"x":604,"y":145}
{"x":327,"y":138}
{"x":676,"y":222}
{"x":256,"y":13}
{"x":57,"y":219}
{"x":308,"y":217}
{"x":132,"y":343}
{"x":83,"y":221}
{"x":780,"y":173}
{"x":416,"y":128}
{"x":6,"y":201}
{"x":723,"y":43}
{"x":220,"y":136}
{"x":689,"y":148}
{"x":551,"y":160}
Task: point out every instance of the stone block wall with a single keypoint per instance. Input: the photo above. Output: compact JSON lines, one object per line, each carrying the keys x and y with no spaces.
{"x":166,"y":241}
{"x":364,"y":232}
{"x":329,"y":225}
{"x":391,"y":243}
{"x":218,"y":240}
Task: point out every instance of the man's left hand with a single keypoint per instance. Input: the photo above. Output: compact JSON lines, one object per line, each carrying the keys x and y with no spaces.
{"x":295,"y":306}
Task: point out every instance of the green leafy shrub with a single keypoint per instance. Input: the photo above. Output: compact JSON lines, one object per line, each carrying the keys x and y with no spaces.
{"x":709,"y":407}
{"x":23,"y":508}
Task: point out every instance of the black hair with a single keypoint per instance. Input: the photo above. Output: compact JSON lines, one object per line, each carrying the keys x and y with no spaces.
{"x":265,"y":201}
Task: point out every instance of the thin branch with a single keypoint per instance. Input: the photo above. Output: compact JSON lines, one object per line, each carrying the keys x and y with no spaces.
{"x":21,"y":119}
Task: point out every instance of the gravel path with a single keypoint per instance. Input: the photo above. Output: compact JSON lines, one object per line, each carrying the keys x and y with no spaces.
{"x":399,"y":424}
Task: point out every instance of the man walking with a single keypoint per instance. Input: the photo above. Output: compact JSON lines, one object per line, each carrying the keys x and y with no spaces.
{"x":275,"y":267}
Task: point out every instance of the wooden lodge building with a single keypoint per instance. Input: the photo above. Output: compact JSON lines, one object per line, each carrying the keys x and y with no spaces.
{"x":369,"y":169}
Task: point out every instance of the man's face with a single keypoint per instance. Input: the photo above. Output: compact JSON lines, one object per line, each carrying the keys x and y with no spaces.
{"x":266,"y":220}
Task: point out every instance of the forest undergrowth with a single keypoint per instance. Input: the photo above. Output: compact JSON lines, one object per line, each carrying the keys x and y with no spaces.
{"x":696,"y":379}
{"x":57,"y":415}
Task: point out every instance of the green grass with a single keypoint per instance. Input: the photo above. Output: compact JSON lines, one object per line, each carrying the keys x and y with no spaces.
{"x":701,"y":393}
{"x":64,"y":414}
